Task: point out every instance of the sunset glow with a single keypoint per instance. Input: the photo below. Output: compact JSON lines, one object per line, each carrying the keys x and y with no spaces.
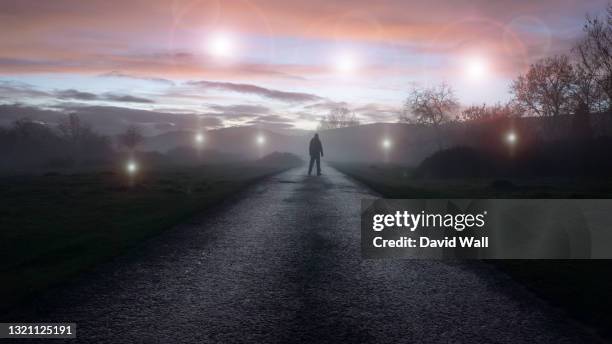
{"x":277,"y":65}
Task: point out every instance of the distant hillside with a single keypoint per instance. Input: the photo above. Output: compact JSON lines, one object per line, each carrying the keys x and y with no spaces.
{"x":362,"y":143}
{"x":235,"y":140}
{"x":408,"y":144}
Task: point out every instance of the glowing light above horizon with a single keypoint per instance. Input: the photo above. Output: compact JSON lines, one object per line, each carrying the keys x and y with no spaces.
{"x":346,"y":63}
{"x":261,"y":140}
{"x":476,"y":68}
{"x":511,"y":138}
{"x":387,"y":143}
{"x":221,"y":44}
{"x":131,"y":167}
{"x":199,"y":138}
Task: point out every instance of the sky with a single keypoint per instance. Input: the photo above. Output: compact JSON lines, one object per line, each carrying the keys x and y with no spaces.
{"x":277,"y":64}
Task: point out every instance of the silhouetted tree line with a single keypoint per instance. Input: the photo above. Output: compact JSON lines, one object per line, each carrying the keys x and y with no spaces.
{"x":71,"y":143}
{"x":484,"y":112}
{"x":559,"y":158}
{"x":576,"y":85}
{"x":560,"y":115}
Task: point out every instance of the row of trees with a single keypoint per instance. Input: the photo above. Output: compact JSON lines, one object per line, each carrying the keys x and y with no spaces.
{"x":71,"y":142}
{"x":576,"y":84}
{"x":554,"y":86}
{"x":73,"y":130}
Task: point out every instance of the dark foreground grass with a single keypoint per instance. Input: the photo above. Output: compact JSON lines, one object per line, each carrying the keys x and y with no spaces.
{"x":56,"y":225}
{"x":396,"y":181}
{"x":581,"y":287}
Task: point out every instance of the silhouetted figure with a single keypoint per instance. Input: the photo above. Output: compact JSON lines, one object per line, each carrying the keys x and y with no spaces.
{"x":316,"y":152}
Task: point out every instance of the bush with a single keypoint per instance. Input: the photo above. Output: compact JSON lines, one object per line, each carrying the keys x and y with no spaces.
{"x":561,"y":158}
{"x":457,"y":162}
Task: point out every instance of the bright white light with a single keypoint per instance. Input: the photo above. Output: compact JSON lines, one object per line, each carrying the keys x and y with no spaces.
{"x":131,"y":167}
{"x":476,"y":68}
{"x":199,"y":138}
{"x":260,"y":140}
{"x":345,"y":63}
{"x":221,"y":44}
{"x":511,"y":138}
{"x":386,"y":143}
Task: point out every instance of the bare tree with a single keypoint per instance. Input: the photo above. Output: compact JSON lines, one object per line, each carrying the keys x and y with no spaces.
{"x":32,"y":143}
{"x":131,"y":138}
{"x":546,"y":89}
{"x":82,"y":141}
{"x":339,"y":117}
{"x":595,"y":53}
{"x":476,"y":113}
{"x":586,"y":92}
{"x":431,"y":106}
{"x":72,"y":129}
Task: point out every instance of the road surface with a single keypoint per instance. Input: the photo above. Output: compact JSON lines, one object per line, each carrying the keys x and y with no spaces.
{"x":282,"y":264}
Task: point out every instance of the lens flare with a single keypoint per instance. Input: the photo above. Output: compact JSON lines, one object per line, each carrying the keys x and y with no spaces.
{"x":387,"y":143}
{"x":476,"y":68}
{"x":221,"y":44}
{"x":199,"y":138}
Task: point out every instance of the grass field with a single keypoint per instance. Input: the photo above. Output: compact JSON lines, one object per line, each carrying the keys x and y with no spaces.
{"x":56,"y":225}
{"x":580,"y":287}
{"x":396,"y":181}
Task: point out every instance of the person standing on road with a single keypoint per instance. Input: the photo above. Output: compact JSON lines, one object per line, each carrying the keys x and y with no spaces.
{"x":316,"y":152}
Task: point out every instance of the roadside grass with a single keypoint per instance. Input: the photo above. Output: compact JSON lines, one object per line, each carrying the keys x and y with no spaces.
{"x":580,"y":287}
{"x":396,"y":181}
{"x":56,"y":225}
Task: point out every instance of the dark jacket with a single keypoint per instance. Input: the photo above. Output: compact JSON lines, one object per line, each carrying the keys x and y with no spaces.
{"x":316,"y":148}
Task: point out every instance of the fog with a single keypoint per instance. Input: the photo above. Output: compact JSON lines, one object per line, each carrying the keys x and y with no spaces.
{"x":37,"y":144}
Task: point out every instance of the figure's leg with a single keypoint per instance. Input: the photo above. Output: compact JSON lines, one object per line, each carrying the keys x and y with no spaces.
{"x":312,"y":159}
{"x":318,"y":166}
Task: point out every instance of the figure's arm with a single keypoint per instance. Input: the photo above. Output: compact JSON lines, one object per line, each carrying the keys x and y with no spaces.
{"x":321,"y":145}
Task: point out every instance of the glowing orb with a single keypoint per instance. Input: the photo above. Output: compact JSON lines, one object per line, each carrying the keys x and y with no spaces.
{"x":260,"y":139}
{"x":131,"y":167}
{"x":511,"y":138}
{"x":386,"y":143}
{"x":199,"y":138}
{"x":345,"y":63}
{"x":221,"y":44}
{"x":476,"y":68}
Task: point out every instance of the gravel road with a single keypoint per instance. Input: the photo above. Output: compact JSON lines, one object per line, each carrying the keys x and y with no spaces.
{"x":282,"y":264}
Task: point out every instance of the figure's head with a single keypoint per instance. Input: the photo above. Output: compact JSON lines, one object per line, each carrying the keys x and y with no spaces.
{"x":316,"y":136}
